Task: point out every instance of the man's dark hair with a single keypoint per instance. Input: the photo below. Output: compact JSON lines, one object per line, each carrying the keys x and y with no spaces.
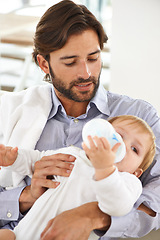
{"x":61,"y":21}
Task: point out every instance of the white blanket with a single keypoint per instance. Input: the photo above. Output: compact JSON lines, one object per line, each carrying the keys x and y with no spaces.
{"x":16,"y":127}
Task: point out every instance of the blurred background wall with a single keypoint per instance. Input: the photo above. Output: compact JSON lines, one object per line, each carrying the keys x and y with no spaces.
{"x":135,"y":49}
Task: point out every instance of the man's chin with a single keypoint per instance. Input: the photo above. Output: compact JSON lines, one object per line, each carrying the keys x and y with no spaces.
{"x":83,"y":97}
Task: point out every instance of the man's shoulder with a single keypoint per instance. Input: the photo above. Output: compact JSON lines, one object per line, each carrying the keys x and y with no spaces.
{"x":123,"y":104}
{"x":115,"y":97}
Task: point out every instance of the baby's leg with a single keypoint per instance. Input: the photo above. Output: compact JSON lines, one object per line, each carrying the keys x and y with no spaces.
{"x":6,"y":234}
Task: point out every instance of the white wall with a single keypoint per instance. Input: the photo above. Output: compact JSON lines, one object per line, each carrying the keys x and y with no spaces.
{"x":135,"y":49}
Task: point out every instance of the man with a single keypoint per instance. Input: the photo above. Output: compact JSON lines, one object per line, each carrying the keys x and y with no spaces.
{"x":68,"y":42}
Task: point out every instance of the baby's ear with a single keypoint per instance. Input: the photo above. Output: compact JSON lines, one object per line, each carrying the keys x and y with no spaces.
{"x":138,"y":172}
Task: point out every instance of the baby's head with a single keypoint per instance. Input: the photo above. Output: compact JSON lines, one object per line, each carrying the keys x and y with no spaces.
{"x":140,"y":143}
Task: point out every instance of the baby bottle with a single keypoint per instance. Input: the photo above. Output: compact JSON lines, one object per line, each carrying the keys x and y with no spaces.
{"x":102,"y":128}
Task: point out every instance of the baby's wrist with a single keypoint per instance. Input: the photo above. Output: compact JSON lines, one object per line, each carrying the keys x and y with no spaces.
{"x":103,"y":173}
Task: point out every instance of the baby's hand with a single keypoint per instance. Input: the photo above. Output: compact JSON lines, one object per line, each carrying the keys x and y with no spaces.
{"x":8,"y":155}
{"x":101,"y":155}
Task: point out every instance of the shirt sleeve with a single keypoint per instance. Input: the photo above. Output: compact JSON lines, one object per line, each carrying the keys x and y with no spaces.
{"x":117,"y":193}
{"x":133,"y":225}
{"x":9,"y":205}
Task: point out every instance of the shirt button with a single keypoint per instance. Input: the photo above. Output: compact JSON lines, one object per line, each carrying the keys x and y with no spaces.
{"x":9,"y":215}
{"x":76,"y":120}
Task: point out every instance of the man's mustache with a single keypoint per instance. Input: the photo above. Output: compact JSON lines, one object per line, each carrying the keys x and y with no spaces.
{"x":82,"y":80}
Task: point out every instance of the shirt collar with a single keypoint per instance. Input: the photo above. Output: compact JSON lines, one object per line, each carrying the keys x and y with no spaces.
{"x":56,"y":104}
{"x":100,"y":100}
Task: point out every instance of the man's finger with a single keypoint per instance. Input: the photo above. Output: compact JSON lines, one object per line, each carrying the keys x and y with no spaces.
{"x":46,"y":183}
{"x":46,"y":229}
{"x":59,"y":156}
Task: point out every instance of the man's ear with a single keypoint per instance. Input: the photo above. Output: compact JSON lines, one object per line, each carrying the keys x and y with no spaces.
{"x":138,"y":172}
{"x":43,"y":63}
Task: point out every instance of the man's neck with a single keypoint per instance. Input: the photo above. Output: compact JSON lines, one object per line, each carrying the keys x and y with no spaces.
{"x":74,"y":109}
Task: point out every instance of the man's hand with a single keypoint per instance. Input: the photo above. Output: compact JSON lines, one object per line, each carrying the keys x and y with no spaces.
{"x":57,"y":164}
{"x":77,"y":223}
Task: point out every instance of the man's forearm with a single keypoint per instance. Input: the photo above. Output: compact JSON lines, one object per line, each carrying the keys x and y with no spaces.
{"x":98,"y":219}
{"x":77,"y":223}
{"x":26,"y":200}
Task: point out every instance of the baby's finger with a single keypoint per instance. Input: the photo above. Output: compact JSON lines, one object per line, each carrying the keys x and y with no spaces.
{"x":98,"y":142}
{"x":105,"y":143}
{"x":14,"y":150}
{"x":2,"y":147}
{"x":91,"y":142}
{"x":115,"y":147}
{"x":84,"y":146}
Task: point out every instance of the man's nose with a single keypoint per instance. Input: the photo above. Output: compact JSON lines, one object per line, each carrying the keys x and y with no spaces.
{"x":84,"y":71}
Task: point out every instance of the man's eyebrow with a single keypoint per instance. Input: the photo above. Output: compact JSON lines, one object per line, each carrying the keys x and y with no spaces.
{"x":92,"y":53}
{"x":74,"y":56}
{"x":68,"y":57}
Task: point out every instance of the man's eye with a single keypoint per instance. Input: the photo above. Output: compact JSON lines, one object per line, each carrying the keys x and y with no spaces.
{"x":70,"y":64}
{"x":134,"y":149}
{"x":92,"y":59}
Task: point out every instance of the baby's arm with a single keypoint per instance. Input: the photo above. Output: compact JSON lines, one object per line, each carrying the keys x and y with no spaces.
{"x":116,"y":192}
{"x":19,"y":161}
{"x":101,"y":156}
{"x":8,"y":155}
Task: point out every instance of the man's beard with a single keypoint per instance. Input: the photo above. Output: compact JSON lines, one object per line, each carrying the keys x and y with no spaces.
{"x":69,"y":93}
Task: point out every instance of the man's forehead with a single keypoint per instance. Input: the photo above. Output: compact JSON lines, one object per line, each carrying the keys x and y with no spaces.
{"x":87,"y":39}
{"x":75,"y":56}
{"x":86,"y":43}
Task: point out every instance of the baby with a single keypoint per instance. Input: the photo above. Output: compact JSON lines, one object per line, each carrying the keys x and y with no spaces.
{"x":95,"y":176}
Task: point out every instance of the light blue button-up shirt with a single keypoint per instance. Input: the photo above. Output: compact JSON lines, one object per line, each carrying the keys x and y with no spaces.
{"x":62,"y":130}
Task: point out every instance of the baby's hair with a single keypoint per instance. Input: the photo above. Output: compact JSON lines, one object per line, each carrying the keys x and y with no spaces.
{"x":148,"y":159}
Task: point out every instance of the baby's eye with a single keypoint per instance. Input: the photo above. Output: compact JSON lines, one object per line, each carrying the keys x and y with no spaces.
{"x":134,"y":149}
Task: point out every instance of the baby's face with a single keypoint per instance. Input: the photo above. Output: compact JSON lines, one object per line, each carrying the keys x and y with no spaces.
{"x":137,"y":145}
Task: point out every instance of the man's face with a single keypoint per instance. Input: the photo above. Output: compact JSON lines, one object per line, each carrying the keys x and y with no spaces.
{"x":75,"y":68}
